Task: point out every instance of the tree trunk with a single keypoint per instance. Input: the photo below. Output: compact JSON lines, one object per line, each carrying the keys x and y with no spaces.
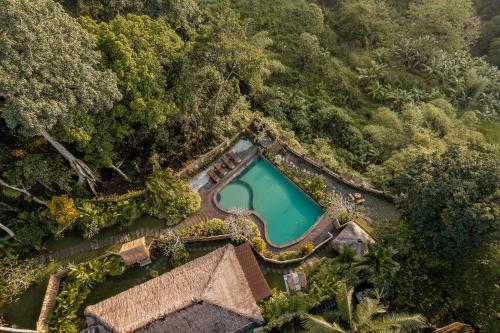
{"x":7,"y":230}
{"x":120,"y":172}
{"x":216,"y":103}
{"x":16,"y":330}
{"x":83,"y":171}
{"x":23,"y":192}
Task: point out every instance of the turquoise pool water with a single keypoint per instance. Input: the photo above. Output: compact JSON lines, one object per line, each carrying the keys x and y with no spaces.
{"x":288,"y":211}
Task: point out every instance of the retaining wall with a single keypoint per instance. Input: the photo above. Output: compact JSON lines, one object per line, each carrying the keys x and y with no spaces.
{"x":321,"y":167}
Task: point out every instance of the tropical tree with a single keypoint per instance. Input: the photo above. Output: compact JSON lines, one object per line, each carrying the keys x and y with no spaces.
{"x":451,"y":23}
{"x":364,"y":22}
{"x":223,"y":64}
{"x":141,"y":52}
{"x":368,"y":316}
{"x":168,"y":196}
{"x":378,"y":264}
{"x":49,"y":76}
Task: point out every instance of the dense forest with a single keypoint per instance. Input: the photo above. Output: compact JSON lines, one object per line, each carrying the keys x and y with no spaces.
{"x":100,"y":100}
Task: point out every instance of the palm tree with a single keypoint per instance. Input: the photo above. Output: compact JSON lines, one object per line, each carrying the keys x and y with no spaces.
{"x":362,"y":318}
{"x":347,"y":255}
{"x":378,"y":263}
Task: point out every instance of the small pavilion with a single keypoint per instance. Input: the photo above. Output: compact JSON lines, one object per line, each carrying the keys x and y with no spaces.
{"x":353,"y":236}
{"x":135,"y":252}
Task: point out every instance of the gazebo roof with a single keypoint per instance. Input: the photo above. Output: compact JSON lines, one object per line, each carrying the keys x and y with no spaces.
{"x":134,"y":251}
{"x":353,"y":236}
{"x":213,"y":293}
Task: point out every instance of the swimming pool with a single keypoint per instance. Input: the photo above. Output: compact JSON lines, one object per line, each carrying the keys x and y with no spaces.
{"x":286,"y":209}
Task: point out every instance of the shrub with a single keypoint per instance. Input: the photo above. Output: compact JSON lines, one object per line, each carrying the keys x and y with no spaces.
{"x":259,"y":244}
{"x":212,"y":227}
{"x":242,"y":229}
{"x":306,"y":249}
{"x":344,"y":217}
{"x":171,"y":245}
{"x":79,"y":282}
{"x":15,"y":277}
{"x":62,"y":209}
{"x":170,"y":197}
{"x":104,"y":212}
{"x":287,"y":255}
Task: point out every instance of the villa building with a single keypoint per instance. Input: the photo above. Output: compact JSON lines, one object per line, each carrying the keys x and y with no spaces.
{"x":214,"y":293}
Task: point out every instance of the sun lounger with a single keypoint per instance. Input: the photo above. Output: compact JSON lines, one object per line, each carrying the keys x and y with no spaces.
{"x":228,"y":162}
{"x":220,"y":169}
{"x":213,"y":175}
{"x":234,"y":156}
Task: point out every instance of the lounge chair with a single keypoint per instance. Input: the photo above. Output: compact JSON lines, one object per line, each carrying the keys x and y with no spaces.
{"x":234,"y":156}
{"x":228,"y":162}
{"x":213,"y":175}
{"x":220,"y":169}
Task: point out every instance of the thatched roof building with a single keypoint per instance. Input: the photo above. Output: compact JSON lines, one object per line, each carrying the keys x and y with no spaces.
{"x":214,"y":293}
{"x":455,"y":328}
{"x":353,"y":236}
{"x":134,"y":252}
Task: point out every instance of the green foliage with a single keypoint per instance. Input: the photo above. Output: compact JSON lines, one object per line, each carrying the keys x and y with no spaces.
{"x":171,"y":245}
{"x":8,"y":246}
{"x":35,"y":170}
{"x":452,"y":201}
{"x":212,"y":227}
{"x":95,"y":214}
{"x":364,"y":23}
{"x":16,"y":276}
{"x":362,"y":316}
{"x":170,"y":197}
{"x":306,"y":249}
{"x":30,"y":227}
{"x":280,"y":310}
{"x":476,"y":297}
{"x":79,"y":282}
{"x":451,"y":23}
{"x":141,"y":52}
{"x":377,"y":265}
{"x":224,"y":63}
{"x":315,"y":186}
{"x":56,"y":79}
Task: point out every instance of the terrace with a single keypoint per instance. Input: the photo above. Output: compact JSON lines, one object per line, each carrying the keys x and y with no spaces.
{"x":213,"y":182}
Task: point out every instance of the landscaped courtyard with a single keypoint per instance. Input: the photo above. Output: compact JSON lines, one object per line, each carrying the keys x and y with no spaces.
{"x":219,"y":203}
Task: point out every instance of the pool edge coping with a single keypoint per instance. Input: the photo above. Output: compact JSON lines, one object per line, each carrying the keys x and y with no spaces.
{"x":262,"y":220}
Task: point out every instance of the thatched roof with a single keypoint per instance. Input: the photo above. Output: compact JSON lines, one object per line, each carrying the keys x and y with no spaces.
{"x":455,"y":328}
{"x":208,"y":294}
{"x":134,"y":251}
{"x":353,"y":236}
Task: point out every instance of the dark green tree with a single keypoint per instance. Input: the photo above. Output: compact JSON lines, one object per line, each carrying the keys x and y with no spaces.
{"x":49,"y":74}
{"x":452,"y":201}
{"x":141,"y":52}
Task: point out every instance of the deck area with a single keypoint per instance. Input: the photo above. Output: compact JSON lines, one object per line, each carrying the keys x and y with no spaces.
{"x":209,"y":210}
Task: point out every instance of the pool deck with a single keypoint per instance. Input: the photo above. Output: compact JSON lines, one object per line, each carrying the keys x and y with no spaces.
{"x":376,"y":208}
{"x":316,"y":234}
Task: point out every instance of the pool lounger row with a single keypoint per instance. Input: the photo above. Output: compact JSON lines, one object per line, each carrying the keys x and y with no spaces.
{"x":218,"y":171}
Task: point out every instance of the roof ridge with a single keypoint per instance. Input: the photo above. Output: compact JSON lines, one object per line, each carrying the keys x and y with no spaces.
{"x":219,"y":261}
{"x":251,"y":318}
